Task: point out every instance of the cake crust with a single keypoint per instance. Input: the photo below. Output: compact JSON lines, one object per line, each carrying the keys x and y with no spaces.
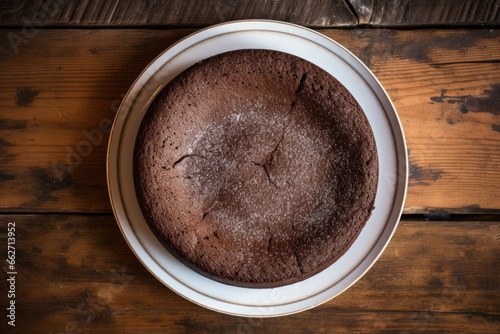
{"x":256,"y":168}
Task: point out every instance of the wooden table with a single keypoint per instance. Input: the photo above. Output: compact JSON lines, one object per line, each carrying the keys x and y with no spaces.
{"x":64,"y":68}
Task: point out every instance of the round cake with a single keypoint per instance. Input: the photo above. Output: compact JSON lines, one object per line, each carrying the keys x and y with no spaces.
{"x":255,"y":168}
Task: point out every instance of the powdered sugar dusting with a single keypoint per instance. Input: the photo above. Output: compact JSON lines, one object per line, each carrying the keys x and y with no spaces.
{"x":260,"y":171}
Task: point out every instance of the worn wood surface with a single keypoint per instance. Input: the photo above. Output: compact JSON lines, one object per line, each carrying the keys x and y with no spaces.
{"x":76,"y":274}
{"x":318,"y":13}
{"x":426,"y":12}
{"x":172,"y":12}
{"x":60,"y":89}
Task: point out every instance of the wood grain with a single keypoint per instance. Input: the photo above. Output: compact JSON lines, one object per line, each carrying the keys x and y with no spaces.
{"x":61,"y":88}
{"x":426,"y":12}
{"x":76,"y":273}
{"x":446,"y":88}
{"x":319,"y":13}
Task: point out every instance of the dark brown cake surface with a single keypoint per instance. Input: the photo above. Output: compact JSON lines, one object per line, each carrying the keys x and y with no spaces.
{"x":256,"y":168}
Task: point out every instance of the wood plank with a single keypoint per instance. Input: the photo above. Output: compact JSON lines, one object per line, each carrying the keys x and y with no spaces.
{"x":76,"y":273}
{"x":62,"y":86}
{"x":446,"y":88}
{"x":54,"y":103}
{"x":112,"y":13}
{"x":426,"y":12}
{"x":320,"y":13}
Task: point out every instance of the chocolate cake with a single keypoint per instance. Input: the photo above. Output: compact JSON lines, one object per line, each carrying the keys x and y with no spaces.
{"x":256,"y":168}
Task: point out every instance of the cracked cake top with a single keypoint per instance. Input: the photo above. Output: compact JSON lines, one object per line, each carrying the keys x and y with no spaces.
{"x":255,"y":168}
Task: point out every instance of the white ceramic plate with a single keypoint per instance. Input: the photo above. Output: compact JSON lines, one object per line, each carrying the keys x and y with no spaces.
{"x":339,"y":62}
